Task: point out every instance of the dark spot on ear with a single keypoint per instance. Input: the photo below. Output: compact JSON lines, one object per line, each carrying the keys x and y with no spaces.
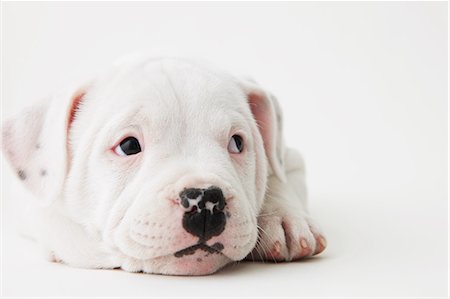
{"x":22,"y":175}
{"x":38,"y":146}
{"x":43,"y":172}
{"x":279,"y":119}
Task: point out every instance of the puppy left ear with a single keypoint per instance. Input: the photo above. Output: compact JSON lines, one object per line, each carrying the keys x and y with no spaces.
{"x":267,"y":114}
{"x":35,"y":144}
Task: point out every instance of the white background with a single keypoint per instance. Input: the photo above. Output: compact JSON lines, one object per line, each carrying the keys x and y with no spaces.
{"x":364,"y":91}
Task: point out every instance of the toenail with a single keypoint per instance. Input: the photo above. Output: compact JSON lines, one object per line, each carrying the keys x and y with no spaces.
{"x":323,"y":242}
{"x":277,"y":247}
{"x":303,"y":243}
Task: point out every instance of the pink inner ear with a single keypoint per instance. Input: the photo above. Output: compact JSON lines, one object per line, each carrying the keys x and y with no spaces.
{"x":76,"y":100}
{"x":261,"y":110}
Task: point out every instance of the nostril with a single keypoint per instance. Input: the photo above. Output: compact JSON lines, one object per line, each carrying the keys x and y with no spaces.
{"x":184,"y":202}
{"x":215,"y":195}
{"x":192,"y":193}
{"x":189,"y":195}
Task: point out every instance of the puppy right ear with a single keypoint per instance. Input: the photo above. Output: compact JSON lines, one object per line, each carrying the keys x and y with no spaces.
{"x":267,"y":114}
{"x":35,"y":143}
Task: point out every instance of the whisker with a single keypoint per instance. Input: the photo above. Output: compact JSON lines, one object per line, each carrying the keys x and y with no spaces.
{"x":258,"y":250}
{"x":265,"y":244}
{"x":267,"y":214}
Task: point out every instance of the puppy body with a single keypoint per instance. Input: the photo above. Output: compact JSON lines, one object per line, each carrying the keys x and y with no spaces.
{"x":96,"y":209}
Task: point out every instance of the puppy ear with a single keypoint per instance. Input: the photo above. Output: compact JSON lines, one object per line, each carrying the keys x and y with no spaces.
{"x":35,"y":144}
{"x":267,"y":113}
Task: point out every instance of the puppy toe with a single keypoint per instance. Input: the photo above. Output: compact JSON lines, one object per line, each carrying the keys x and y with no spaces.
{"x":278,"y":252}
{"x":288,"y":239}
{"x":305,"y":248}
{"x":321,"y":244}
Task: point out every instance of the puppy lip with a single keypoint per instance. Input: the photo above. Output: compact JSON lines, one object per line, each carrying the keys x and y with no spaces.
{"x":215,"y":248}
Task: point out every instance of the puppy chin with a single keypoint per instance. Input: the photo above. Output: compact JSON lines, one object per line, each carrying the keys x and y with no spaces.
{"x":198,"y":263}
{"x":137,"y":257}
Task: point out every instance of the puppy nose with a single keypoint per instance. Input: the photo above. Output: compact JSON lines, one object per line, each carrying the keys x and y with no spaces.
{"x":204,"y":216}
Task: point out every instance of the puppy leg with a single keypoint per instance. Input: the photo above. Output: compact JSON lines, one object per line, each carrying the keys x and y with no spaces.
{"x":286,"y":231}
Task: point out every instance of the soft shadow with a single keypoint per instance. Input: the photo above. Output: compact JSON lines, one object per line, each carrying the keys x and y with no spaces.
{"x":245,"y":267}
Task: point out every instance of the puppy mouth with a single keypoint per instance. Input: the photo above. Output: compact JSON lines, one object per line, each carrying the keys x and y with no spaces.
{"x":215,"y":248}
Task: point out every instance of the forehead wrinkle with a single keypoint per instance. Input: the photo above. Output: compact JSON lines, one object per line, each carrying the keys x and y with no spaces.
{"x":171,"y":84}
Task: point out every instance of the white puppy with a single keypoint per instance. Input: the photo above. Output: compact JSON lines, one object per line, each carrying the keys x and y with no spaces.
{"x":162,"y":166}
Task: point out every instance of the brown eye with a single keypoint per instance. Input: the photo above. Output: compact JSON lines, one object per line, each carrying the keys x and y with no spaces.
{"x":236,"y":144}
{"x":127,"y":147}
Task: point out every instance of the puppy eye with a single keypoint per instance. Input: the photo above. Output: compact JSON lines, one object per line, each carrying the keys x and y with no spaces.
{"x":236,"y":144}
{"x":127,"y":147}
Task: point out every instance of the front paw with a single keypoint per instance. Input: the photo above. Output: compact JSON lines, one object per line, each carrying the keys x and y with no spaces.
{"x":286,"y":238}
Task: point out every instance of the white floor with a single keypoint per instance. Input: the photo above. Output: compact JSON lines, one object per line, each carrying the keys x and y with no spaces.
{"x":376,"y":248}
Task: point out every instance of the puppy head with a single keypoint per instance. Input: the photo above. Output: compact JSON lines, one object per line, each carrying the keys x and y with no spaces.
{"x":166,"y":160}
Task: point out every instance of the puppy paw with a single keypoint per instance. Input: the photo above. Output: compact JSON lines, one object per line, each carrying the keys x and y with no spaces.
{"x":287,"y":238}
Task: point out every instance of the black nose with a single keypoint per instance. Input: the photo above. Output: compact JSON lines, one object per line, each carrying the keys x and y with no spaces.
{"x":204,"y":217}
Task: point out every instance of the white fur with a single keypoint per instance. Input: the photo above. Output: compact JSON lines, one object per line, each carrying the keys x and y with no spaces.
{"x":99,"y":210}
